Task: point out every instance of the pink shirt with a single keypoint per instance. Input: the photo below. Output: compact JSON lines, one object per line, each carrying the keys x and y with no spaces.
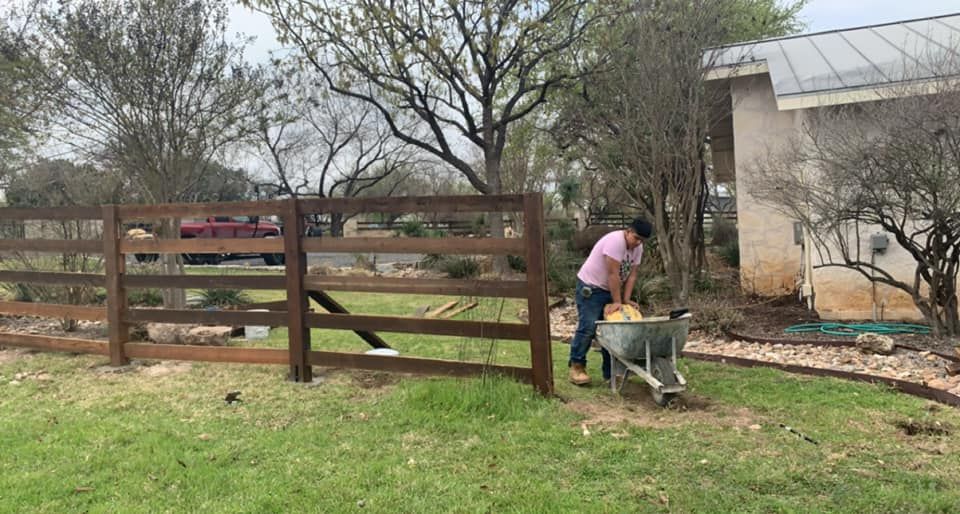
{"x":613,"y":245}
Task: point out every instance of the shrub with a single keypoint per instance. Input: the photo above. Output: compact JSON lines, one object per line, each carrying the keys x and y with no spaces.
{"x":561,"y":230}
{"x":461,"y":267}
{"x":479,"y":225}
{"x":730,"y":253}
{"x":723,"y":232}
{"x":649,"y":289}
{"x":562,"y":265}
{"x":715,"y":319}
{"x":222,"y":298}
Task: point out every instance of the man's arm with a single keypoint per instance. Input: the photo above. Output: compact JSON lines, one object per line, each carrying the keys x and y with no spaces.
{"x":628,"y":288}
{"x":613,"y":284}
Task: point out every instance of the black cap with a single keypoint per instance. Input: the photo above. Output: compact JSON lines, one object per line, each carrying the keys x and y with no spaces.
{"x":642,"y":227}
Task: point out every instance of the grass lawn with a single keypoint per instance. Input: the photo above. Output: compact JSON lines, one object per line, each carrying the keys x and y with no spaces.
{"x":159,"y":438}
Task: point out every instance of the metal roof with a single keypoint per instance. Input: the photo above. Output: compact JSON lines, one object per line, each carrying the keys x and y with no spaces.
{"x":850,"y":59}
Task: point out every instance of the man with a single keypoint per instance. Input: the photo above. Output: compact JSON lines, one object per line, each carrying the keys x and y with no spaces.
{"x":604,"y":283}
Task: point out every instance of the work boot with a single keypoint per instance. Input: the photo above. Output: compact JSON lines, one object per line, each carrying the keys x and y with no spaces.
{"x":578,"y":375}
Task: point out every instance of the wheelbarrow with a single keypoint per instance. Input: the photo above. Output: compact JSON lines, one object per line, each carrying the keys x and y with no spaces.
{"x":648,"y":348}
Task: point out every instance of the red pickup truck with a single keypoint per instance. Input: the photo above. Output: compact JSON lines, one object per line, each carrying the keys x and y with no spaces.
{"x":224,"y":227}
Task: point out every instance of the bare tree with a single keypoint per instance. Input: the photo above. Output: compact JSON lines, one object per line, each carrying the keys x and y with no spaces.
{"x":154,"y":85}
{"x":643,"y":122}
{"x":57,"y":184}
{"x":317,"y":144}
{"x":891,"y":165}
{"x":467,"y":70}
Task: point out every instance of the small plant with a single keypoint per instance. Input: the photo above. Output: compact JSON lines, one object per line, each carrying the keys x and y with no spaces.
{"x":461,"y":267}
{"x":20,"y":292}
{"x":222,"y":298}
{"x":145,"y":297}
{"x":704,"y":283}
{"x":517,"y":263}
{"x":413,"y":228}
{"x":479,"y":226}
{"x":364,"y":262}
{"x":431,"y":261}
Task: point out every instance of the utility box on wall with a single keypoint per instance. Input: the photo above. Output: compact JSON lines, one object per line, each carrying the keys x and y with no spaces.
{"x":797,"y":233}
{"x":879,"y":242}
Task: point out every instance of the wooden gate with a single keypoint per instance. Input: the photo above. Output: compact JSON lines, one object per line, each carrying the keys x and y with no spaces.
{"x":299,"y":355}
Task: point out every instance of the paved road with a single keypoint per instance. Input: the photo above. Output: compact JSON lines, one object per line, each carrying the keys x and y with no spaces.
{"x":337,"y":260}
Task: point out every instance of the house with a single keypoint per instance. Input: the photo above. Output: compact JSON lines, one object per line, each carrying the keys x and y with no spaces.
{"x":773,"y":84}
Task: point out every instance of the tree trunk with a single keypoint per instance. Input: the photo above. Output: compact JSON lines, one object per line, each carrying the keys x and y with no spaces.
{"x":495,"y":219}
{"x":336,"y":224}
{"x":172,"y":264}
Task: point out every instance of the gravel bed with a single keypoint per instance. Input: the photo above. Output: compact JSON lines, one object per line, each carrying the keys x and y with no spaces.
{"x":919,"y":367}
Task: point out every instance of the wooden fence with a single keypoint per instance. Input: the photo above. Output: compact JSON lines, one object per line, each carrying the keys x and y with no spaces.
{"x":299,"y":355}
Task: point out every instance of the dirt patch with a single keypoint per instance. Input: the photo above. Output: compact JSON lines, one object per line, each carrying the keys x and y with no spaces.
{"x":7,"y":356}
{"x":165,"y":368}
{"x":373,"y":379}
{"x":913,"y":428}
{"x":94,"y":330}
{"x":636,"y":408}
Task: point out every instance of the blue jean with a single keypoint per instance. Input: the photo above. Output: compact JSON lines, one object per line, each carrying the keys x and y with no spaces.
{"x":589,"y":310}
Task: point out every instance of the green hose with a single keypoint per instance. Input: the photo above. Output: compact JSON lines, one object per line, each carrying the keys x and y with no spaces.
{"x":853,"y":329}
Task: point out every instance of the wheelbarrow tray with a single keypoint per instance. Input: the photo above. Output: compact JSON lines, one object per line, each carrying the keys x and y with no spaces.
{"x":647,"y":347}
{"x":630,"y":339}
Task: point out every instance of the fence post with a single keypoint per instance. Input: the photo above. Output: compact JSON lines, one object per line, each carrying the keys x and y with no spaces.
{"x":540,"y":351}
{"x":114,"y":268}
{"x":295,"y":261}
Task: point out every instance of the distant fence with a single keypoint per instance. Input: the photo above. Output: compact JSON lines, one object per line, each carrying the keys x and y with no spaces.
{"x":299,"y":355}
{"x":452,"y":227}
{"x":619,"y":219}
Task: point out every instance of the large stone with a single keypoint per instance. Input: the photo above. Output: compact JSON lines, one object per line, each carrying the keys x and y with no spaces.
{"x":168,"y":333}
{"x":584,"y":240}
{"x":875,"y":343}
{"x":208,"y":336}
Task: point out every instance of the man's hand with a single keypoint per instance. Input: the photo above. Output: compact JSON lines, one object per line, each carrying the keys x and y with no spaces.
{"x":610,"y":308}
{"x":633,"y":304}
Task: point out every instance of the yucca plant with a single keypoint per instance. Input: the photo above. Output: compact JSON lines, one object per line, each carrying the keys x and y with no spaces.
{"x":222,"y":298}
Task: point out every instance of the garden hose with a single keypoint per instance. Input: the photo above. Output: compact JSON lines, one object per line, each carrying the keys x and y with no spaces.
{"x":854,"y":329}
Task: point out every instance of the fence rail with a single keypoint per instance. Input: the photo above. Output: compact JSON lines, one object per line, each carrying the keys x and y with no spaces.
{"x":294,"y":312}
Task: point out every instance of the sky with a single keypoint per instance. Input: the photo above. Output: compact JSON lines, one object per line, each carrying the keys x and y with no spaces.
{"x":819,"y":15}
{"x":823,"y":15}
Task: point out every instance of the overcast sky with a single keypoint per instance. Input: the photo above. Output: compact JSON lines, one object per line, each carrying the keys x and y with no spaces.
{"x":819,"y":15}
{"x":823,"y":15}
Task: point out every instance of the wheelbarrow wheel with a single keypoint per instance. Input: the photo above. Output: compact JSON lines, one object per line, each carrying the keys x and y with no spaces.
{"x":662,"y":370}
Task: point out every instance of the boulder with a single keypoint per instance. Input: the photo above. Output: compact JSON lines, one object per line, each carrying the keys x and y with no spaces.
{"x":875,"y":343}
{"x":168,"y":333}
{"x":208,"y":336}
{"x":584,"y":240}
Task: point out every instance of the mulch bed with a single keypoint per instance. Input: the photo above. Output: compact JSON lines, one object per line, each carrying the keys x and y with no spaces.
{"x":769,"y":318}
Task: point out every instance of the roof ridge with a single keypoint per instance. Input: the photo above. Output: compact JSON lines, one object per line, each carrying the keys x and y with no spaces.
{"x":833,"y":31}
